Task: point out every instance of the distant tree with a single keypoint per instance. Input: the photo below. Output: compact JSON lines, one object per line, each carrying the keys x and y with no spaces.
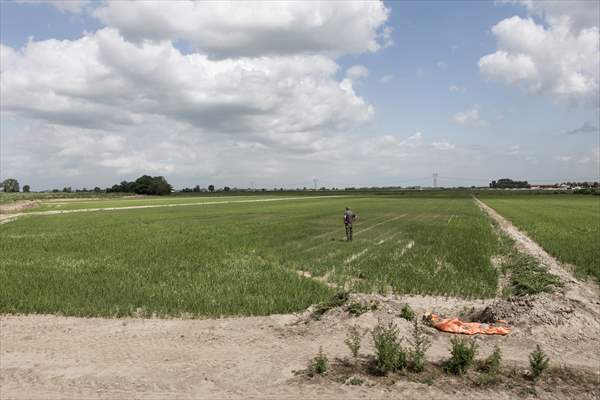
{"x":196,"y":188}
{"x":493,"y":184}
{"x":26,"y":188}
{"x":97,"y":189}
{"x":146,"y":184}
{"x":506,"y":183}
{"x":226,"y":188}
{"x":10,"y":185}
{"x":211,"y":188}
{"x":55,"y":190}
{"x":67,"y":189}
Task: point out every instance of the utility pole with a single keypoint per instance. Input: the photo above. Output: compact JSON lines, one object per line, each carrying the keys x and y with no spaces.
{"x":435,"y":176}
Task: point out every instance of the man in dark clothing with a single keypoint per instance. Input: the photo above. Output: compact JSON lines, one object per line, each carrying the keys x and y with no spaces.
{"x":349,"y":218}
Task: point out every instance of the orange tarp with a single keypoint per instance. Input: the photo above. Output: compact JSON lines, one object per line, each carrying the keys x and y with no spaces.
{"x":455,"y":325}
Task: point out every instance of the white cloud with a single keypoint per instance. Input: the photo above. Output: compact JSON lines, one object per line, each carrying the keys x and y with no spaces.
{"x":573,"y":14}
{"x":94,"y":84}
{"x":514,"y":150}
{"x":469,"y":117}
{"x":94,"y":107}
{"x":560,"y":60}
{"x":224,"y":29}
{"x":563,"y":158}
{"x":70,"y":6}
{"x":420,"y":73}
{"x":443,"y":146}
{"x":457,"y":89}
{"x":387,"y":78}
{"x":442,"y":65}
{"x":356,"y":72}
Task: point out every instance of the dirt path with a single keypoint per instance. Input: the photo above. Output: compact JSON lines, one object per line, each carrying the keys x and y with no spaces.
{"x":4,"y":218}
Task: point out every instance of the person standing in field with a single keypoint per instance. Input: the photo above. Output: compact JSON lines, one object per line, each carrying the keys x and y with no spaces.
{"x":349,"y":218}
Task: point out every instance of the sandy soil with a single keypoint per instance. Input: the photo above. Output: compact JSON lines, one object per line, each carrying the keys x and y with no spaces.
{"x":46,"y":357}
{"x":18,"y":206}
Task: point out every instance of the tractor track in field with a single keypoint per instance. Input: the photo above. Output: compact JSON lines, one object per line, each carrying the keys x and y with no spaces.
{"x":6,"y":217}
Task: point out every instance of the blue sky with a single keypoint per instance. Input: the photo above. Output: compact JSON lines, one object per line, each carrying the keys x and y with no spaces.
{"x":425,"y":101}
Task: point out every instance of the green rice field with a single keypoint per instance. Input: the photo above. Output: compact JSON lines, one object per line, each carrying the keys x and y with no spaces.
{"x":242,"y":257}
{"x":566,"y":226}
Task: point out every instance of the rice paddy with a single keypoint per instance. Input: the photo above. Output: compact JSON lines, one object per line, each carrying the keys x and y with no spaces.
{"x":242,"y":257}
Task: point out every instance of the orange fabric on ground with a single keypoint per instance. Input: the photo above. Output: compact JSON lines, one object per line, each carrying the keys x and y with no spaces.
{"x":455,"y":325}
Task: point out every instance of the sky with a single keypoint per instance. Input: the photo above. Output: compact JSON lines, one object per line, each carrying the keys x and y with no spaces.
{"x":277,"y":94}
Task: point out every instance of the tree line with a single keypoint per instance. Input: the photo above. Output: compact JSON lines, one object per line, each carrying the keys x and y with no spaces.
{"x":146,"y":184}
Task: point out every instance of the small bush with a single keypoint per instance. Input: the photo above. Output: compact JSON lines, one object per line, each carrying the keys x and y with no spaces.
{"x":353,"y":341}
{"x":357,"y":309}
{"x":356,"y":381}
{"x":420,"y":343}
{"x":319,"y":364}
{"x":389,"y":353}
{"x":407,"y":312}
{"x":463,"y":354}
{"x":491,"y":365}
{"x":538,"y":362}
{"x":337,"y":300}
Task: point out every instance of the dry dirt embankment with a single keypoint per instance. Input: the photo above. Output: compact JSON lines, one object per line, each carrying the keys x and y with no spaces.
{"x":62,"y":357}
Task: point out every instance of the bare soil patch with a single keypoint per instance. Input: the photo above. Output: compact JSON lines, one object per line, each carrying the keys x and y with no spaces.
{"x":46,"y":356}
{"x":18,"y":206}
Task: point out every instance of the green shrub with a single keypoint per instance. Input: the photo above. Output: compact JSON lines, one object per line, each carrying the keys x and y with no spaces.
{"x":463,"y":352}
{"x":538,"y":362}
{"x":353,"y":341}
{"x":491,"y":365}
{"x":356,"y":381}
{"x":319,"y":364}
{"x":339,"y":299}
{"x":407,"y":312}
{"x":389,"y":354}
{"x":357,"y":309}
{"x":420,"y":343}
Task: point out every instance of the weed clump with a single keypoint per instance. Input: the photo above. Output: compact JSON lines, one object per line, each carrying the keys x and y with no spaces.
{"x":339,"y":299}
{"x":491,"y":365}
{"x":389,"y":353}
{"x":357,"y":309}
{"x":319,"y":364}
{"x":407,"y":312}
{"x":463,"y":352}
{"x":420,"y":343}
{"x":538,"y":362}
{"x":355,"y":381}
{"x":353,"y":341}
{"x":528,"y":277}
